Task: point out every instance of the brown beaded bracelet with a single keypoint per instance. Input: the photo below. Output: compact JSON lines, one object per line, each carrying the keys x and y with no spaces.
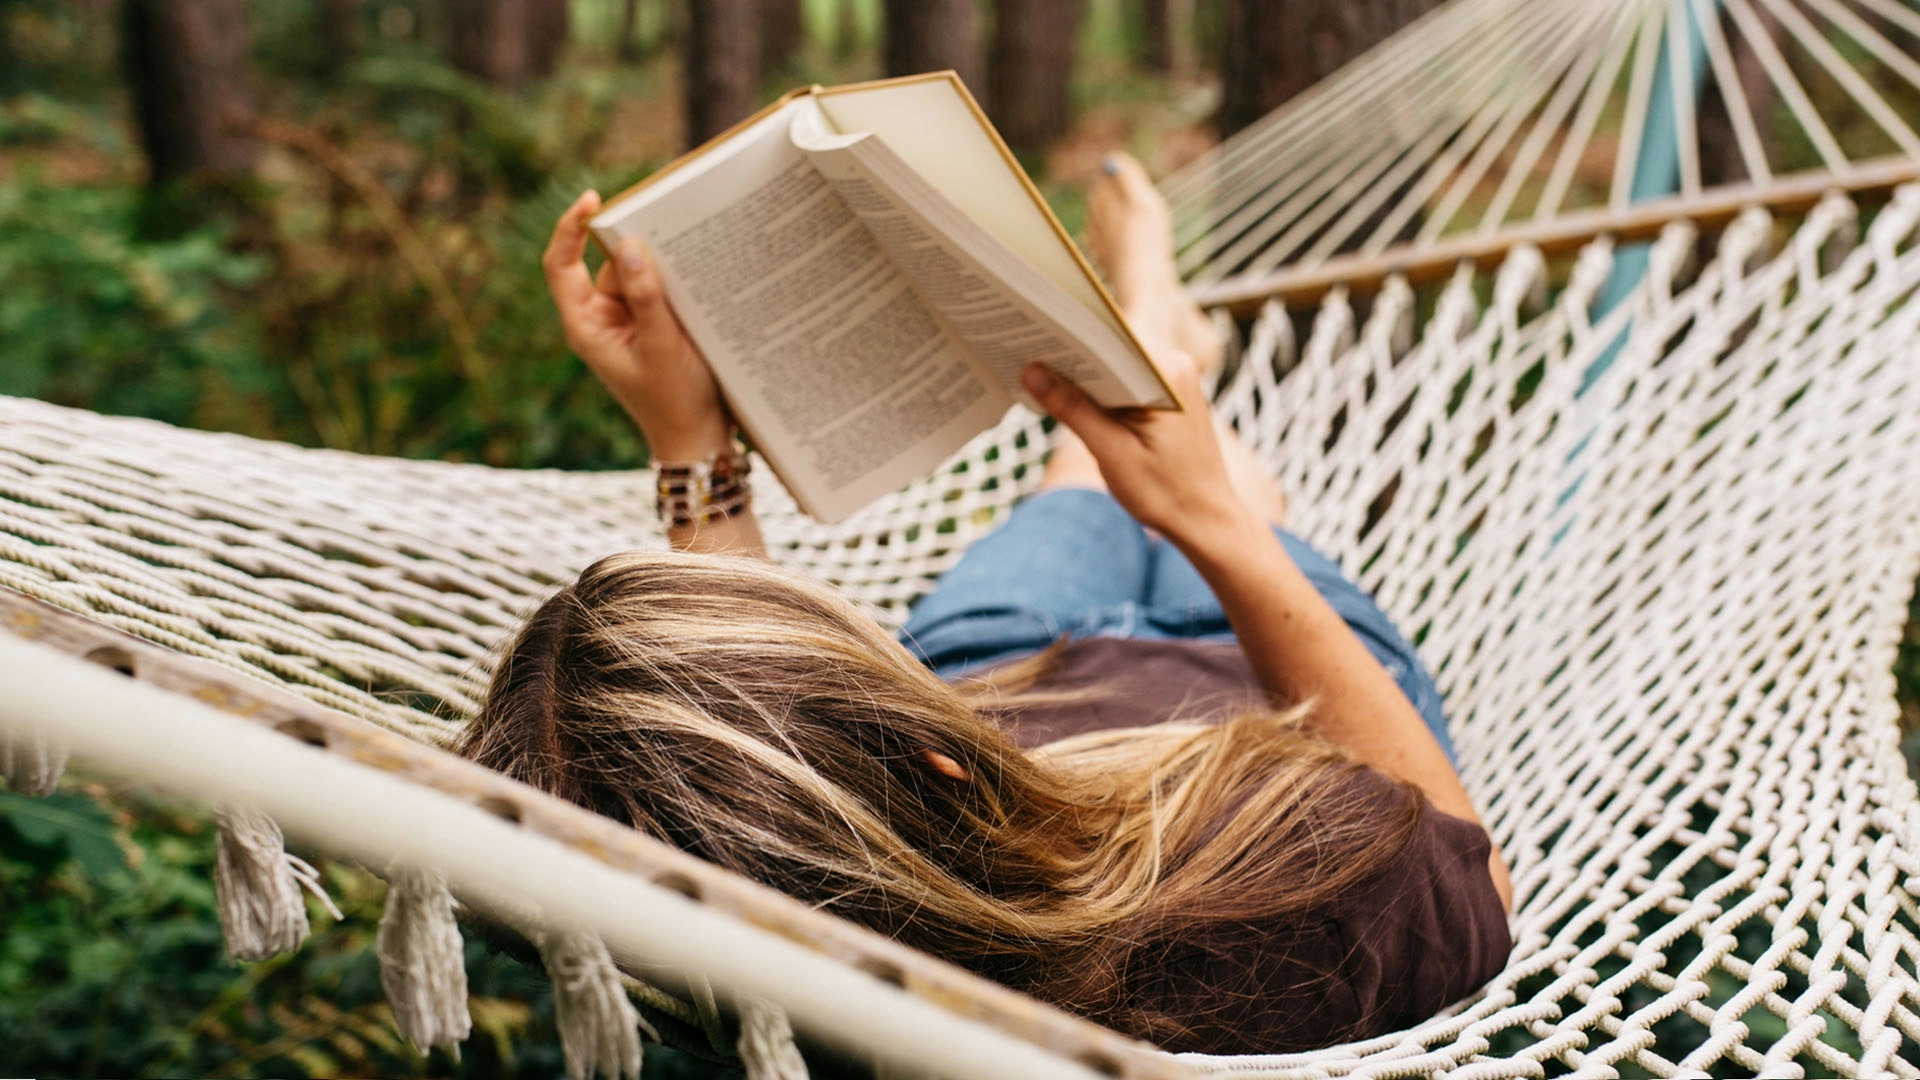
{"x":690,"y":492}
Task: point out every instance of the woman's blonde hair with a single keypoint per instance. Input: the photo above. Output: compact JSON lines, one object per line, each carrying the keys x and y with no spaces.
{"x":754,"y":717}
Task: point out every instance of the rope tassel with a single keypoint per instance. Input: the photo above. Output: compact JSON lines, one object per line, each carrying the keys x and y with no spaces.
{"x":255,"y":883}
{"x":599,"y":1027}
{"x":766,"y":1043}
{"x":422,"y":964}
{"x":31,"y":761}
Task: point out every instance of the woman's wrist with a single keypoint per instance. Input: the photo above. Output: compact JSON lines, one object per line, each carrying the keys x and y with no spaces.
{"x":699,"y":443}
{"x":1220,"y":535}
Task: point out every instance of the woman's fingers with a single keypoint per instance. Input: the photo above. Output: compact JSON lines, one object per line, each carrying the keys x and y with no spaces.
{"x":1183,"y":377}
{"x":566,"y":273}
{"x":1071,"y":406}
{"x":654,"y":324}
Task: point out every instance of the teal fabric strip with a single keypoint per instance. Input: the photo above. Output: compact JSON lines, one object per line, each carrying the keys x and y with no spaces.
{"x":1655,"y":174}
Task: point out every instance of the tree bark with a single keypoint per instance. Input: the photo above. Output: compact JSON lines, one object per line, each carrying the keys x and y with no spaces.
{"x":627,"y":42}
{"x":1156,"y":36}
{"x":489,"y":39}
{"x":187,"y":68}
{"x":340,"y":31}
{"x":782,"y":29}
{"x":549,"y":25}
{"x":1034,"y":43}
{"x":1272,"y":51}
{"x":722,"y":65}
{"x":934,"y":35}
{"x":1720,"y":159}
{"x":846,"y":28}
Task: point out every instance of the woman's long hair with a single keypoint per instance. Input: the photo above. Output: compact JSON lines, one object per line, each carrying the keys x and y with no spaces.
{"x":754,"y":717}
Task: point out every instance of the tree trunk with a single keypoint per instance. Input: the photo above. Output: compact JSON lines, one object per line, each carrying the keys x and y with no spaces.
{"x":1156,"y":36}
{"x":490,"y":39}
{"x":1032,"y":77}
{"x":722,"y":65}
{"x":1272,"y":51}
{"x":846,"y":28}
{"x":340,"y":30}
{"x":782,"y":29}
{"x":1207,"y":31}
{"x":548,"y":28}
{"x":933,"y":35}
{"x":673,"y":24}
{"x":187,"y":69}
{"x":1720,"y":159}
{"x":627,"y":41}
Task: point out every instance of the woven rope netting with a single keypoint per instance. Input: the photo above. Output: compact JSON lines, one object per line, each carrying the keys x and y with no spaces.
{"x":1656,"y":541}
{"x":1662,"y":601}
{"x":1492,"y":113}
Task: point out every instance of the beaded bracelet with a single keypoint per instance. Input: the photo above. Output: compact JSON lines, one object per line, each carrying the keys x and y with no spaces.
{"x":691,"y":492}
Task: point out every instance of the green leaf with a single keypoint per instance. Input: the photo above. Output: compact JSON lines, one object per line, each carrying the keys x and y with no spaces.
{"x":67,"y":822}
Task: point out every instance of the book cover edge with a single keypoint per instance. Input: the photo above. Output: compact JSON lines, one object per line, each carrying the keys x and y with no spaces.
{"x":683,"y":160}
{"x":1046,"y":211}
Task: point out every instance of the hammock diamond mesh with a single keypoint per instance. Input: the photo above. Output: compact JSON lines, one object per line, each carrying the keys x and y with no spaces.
{"x":1662,"y":600}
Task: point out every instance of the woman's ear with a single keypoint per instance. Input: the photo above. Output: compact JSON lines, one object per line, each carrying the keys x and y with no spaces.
{"x":946,"y":766}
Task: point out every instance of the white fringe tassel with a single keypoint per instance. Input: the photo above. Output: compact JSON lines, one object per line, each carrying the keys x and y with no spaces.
{"x":423,"y":966}
{"x":766,"y":1043}
{"x":255,"y":883}
{"x":599,"y":1027}
{"x":31,"y":761}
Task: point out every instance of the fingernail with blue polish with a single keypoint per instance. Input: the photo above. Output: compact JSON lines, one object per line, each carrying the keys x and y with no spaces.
{"x":1110,"y":166}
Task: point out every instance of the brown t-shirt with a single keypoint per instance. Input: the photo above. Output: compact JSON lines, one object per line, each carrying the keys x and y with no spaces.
{"x":1424,"y":932}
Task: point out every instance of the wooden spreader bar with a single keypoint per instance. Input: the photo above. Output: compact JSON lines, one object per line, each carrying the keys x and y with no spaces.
{"x":1710,"y":210}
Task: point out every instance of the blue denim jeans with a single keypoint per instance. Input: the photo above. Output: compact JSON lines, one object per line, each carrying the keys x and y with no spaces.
{"x":1072,"y":562}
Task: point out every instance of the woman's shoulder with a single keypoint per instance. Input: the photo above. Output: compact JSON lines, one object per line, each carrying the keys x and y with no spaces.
{"x":1422,"y":931}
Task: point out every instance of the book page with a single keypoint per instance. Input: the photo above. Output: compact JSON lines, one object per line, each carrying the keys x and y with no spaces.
{"x":846,"y":380}
{"x":936,"y":129}
{"x":1007,"y":311}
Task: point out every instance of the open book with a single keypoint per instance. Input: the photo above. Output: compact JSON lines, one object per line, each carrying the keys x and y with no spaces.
{"x":867,"y":270}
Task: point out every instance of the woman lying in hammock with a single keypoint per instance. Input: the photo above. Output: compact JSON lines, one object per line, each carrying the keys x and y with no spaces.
{"x":1141,"y":754}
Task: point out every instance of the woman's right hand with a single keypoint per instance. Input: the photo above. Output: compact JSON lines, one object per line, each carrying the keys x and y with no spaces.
{"x":623,"y":327}
{"x":1164,"y":467}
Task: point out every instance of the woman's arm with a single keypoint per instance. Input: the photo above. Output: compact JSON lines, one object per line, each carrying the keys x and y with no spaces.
{"x":1166,"y":469}
{"x":623,"y":327}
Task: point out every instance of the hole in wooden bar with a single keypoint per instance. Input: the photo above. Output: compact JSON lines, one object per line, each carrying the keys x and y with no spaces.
{"x":114,"y":657}
{"x":1100,"y":1063}
{"x":307,"y":731}
{"x":504,"y":809}
{"x":885,"y":970}
{"x":680,"y":883}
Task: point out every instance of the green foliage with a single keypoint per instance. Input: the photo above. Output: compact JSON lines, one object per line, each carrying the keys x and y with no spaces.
{"x":308,"y":310}
{"x":92,"y":317}
{"x":111,"y":964}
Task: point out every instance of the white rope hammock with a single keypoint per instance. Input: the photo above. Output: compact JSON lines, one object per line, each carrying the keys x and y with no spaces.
{"x":1663,"y":611}
{"x":1658,"y":559}
{"x":1491,"y":113}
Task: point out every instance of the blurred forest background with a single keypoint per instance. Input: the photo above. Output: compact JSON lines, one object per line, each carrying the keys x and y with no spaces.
{"x":320,"y":221}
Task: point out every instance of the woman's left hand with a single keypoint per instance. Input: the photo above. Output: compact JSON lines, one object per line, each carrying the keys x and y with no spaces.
{"x":623,"y":327}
